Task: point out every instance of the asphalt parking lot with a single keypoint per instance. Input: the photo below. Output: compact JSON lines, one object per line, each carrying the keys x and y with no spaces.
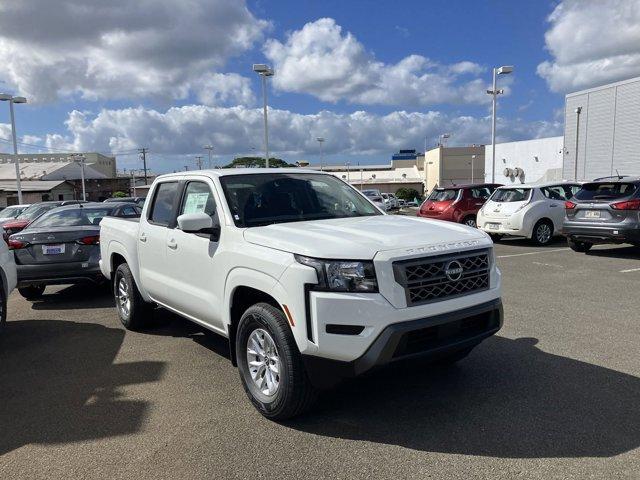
{"x":554,"y":395}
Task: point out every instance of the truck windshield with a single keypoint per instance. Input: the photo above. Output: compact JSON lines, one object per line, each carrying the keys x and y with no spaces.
{"x":266,"y":198}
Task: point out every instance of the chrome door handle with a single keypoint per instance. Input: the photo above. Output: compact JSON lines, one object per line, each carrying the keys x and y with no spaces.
{"x":172,"y":244}
{"x":143,"y":238}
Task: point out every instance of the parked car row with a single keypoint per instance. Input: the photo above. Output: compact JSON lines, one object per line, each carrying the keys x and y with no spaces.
{"x":58,"y":243}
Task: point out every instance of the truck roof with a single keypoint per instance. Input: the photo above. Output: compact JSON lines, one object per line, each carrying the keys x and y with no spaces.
{"x":223,"y":172}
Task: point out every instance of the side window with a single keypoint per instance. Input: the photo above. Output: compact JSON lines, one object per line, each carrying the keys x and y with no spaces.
{"x":480,"y":193}
{"x":198,"y":198}
{"x":129,"y":211}
{"x":554,"y":193}
{"x":163,"y":202}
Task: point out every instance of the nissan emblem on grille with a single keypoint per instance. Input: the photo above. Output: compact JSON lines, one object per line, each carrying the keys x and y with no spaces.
{"x":440,"y":277}
{"x":453,"y":270}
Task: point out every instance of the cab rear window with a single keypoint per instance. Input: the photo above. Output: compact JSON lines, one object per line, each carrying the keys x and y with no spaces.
{"x":606,"y":191}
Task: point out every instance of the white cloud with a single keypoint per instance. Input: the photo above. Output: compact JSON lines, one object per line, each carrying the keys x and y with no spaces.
{"x":322,"y":60}
{"x":180,"y":131}
{"x":125,"y":49}
{"x":592,"y":42}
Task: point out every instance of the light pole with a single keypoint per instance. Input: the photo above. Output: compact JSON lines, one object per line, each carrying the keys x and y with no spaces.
{"x":473,"y":157}
{"x":442,"y":138}
{"x":5,"y":97}
{"x":575,"y":170}
{"x":78,"y":157}
{"x":494,"y":92}
{"x":209,"y":149}
{"x":321,"y":141}
{"x":264,"y":71}
{"x":348,"y":172}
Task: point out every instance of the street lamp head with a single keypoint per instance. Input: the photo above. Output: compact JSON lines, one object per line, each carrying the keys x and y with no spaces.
{"x":504,"y":70}
{"x":445,"y":135}
{"x":578,"y":110}
{"x":5,"y":97}
{"x":19,"y":100}
{"x":320,"y":139}
{"x":263,"y":69}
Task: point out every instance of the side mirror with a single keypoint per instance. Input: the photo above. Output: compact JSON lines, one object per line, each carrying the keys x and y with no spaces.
{"x":199,"y":223}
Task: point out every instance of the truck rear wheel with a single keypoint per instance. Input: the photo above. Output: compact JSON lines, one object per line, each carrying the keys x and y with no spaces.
{"x":133,"y":311}
{"x":270,"y":365}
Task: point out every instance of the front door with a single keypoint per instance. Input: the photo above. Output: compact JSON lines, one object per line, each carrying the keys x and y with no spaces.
{"x":196,"y":284}
{"x":152,"y":240}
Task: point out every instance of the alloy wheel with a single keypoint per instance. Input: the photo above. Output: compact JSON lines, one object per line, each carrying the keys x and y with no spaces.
{"x":543,"y":233}
{"x":123,"y":297}
{"x":263,"y":362}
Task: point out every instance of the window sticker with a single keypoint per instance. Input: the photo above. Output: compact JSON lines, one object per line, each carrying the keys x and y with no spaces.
{"x":195,"y":202}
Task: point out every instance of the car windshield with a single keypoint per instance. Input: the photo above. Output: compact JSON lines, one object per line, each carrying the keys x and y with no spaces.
{"x":34,"y":211}
{"x":266,"y":198}
{"x":11,"y":212}
{"x":443,"y":195}
{"x":605,"y":191}
{"x":73,"y":217}
{"x":504,"y":195}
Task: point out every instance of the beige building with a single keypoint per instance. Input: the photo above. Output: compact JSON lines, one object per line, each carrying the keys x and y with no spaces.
{"x":34,"y":191}
{"x":58,"y":166}
{"x":445,"y":166}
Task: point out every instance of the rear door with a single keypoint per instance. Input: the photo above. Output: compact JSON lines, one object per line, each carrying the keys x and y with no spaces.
{"x":152,"y":239}
{"x":554,"y":197}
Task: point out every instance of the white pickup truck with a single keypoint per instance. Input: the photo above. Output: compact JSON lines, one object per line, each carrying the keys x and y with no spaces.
{"x":309,"y":281}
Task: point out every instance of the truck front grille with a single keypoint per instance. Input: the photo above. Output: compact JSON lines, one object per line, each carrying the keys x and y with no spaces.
{"x":440,"y":277}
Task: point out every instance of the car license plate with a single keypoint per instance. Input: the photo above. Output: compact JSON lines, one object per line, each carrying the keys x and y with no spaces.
{"x":493,"y":226}
{"x":592,"y":214}
{"x":53,"y":249}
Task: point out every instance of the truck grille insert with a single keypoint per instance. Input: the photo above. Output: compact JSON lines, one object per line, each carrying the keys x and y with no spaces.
{"x":440,"y":277}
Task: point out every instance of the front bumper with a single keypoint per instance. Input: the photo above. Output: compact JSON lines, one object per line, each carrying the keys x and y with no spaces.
{"x":430,"y":338}
{"x":59,"y":273}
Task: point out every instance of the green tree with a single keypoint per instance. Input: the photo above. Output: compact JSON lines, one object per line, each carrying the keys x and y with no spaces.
{"x":119,"y":195}
{"x":408,"y":194}
{"x":257,"y":162}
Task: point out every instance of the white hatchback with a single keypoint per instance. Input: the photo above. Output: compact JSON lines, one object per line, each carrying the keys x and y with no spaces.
{"x":531,"y":211}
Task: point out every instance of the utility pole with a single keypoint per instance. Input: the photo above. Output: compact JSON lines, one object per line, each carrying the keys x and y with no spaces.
{"x":199,"y":162}
{"x":186,"y":168}
{"x":575,"y":167}
{"x":143,"y":153}
{"x":78,"y":157}
{"x":209,"y":149}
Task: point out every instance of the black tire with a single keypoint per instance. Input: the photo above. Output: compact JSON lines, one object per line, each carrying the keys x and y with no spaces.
{"x":577,"y":246}
{"x":470,"y":220}
{"x":3,"y":306}
{"x":538,"y":235}
{"x":294,"y":394}
{"x":496,"y":237}
{"x":454,"y":357}
{"x":32,"y":292}
{"x":138,"y":314}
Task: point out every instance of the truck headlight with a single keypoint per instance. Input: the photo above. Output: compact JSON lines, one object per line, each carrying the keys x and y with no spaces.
{"x":342,"y":275}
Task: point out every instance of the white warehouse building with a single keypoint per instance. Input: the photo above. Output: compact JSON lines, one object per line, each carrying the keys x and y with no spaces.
{"x":527,"y":161}
{"x":602,"y":131}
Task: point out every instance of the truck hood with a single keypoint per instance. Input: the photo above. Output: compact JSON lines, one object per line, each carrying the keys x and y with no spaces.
{"x":360,"y":237}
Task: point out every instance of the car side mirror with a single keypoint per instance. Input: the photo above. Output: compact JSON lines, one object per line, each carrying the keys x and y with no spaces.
{"x":199,"y":223}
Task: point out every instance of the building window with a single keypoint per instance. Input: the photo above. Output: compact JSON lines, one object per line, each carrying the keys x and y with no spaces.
{"x":60,"y":196}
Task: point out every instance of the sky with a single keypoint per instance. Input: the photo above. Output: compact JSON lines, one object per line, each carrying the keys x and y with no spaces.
{"x":371,"y":77}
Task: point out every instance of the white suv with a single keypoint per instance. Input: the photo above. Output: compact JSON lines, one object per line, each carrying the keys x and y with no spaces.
{"x":531,"y":211}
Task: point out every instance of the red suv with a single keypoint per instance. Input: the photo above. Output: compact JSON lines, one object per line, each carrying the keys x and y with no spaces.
{"x":457,"y":204}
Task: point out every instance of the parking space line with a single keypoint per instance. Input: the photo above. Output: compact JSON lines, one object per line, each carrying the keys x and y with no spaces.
{"x":532,"y":253}
{"x":628,"y":270}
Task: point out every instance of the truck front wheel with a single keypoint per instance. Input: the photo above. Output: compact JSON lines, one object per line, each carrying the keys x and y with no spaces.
{"x":270,"y":365}
{"x":133,"y":311}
